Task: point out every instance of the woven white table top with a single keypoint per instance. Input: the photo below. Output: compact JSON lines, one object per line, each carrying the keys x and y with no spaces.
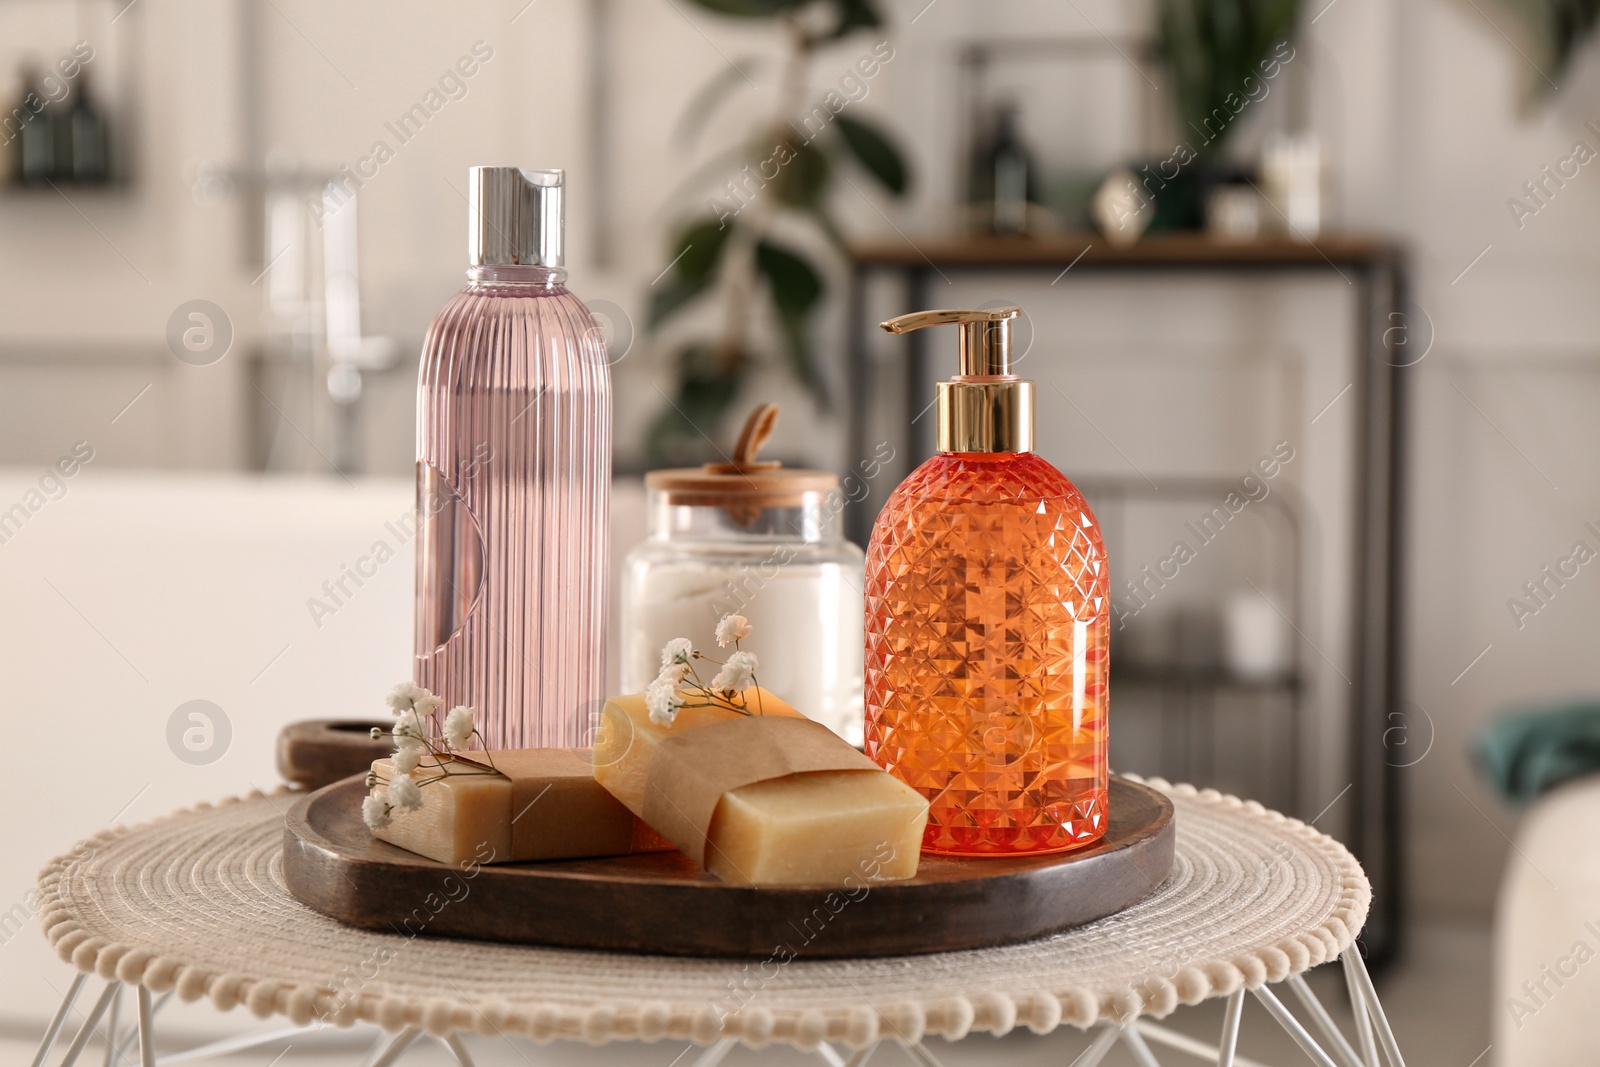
{"x":196,"y":902}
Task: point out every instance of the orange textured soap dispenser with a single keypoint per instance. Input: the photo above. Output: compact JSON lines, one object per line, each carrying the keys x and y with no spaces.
{"x":988,"y":621}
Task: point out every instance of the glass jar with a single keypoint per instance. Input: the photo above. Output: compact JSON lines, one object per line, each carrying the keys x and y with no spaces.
{"x":765,"y":542}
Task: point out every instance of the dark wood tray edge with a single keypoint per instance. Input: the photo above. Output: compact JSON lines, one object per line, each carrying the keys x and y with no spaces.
{"x":365,"y":894}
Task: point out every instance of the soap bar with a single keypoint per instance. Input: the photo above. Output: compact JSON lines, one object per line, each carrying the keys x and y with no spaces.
{"x":543,"y":805}
{"x":828,"y":817}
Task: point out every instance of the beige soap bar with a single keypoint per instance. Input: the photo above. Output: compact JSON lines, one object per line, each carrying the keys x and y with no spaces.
{"x":543,"y":805}
{"x":830,"y":827}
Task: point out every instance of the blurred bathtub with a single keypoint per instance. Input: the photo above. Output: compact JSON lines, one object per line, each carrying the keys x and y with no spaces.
{"x":130,"y":594}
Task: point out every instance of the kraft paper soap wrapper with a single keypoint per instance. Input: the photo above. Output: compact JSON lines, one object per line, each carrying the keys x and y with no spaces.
{"x":555,"y":811}
{"x":759,"y":803}
{"x":692,"y":770}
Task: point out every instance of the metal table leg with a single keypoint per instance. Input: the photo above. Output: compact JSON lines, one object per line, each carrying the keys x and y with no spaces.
{"x":1228,"y":1049}
{"x":715,"y":1054}
{"x":386,"y":1049}
{"x":1224,"y":1055}
{"x":90,"y":1025}
{"x":111,"y":1029}
{"x":1358,"y":1008}
{"x":147,"y":1030}
{"x":53,"y":1031}
{"x":228,"y":1046}
{"x":1319,"y":1015}
{"x":1356,"y":974}
{"x":130,"y":1032}
{"x":1285,"y":1018}
{"x":457,"y":1049}
{"x":1372,"y":1033}
{"x":1137,"y":1047}
{"x":1091,"y":1056}
{"x":829,"y":1056}
{"x":860,"y":1058}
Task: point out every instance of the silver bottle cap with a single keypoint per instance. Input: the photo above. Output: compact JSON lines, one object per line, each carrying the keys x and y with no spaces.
{"x":515,"y":216}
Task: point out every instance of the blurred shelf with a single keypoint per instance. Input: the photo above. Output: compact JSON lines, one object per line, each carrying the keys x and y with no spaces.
{"x":1374,"y":266}
{"x":1173,"y":677}
{"x":18,"y":190}
{"x":1182,"y":250}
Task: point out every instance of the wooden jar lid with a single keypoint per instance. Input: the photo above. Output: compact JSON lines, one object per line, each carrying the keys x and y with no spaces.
{"x":745,"y":483}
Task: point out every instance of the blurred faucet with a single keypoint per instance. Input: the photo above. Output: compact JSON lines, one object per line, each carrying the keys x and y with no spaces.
{"x":315,"y":347}
{"x":307,"y":381}
{"x":349,"y":352}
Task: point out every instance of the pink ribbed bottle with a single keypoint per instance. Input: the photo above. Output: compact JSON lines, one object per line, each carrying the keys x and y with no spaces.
{"x":513,"y":479}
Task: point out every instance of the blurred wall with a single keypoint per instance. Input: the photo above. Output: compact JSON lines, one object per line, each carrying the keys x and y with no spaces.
{"x":1416,"y":101}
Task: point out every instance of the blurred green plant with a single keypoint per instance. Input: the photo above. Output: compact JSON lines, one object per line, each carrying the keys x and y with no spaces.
{"x":780,"y":172}
{"x":1553,"y":30}
{"x":1211,"y":47}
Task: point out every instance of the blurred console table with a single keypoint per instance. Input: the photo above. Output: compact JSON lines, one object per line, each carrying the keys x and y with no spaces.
{"x":1376,"y":267}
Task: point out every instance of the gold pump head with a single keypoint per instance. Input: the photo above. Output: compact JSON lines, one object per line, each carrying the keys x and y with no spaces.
{"x":984,"y":408}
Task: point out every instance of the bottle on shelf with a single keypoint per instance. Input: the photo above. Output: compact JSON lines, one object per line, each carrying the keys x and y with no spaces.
{"x":1004,"y":178}
{"x":59,"y":112}
{"x":90,"y":159}
{"x":987,"y":621}
{"x":35,"y":135}
{"x":514,"y":478}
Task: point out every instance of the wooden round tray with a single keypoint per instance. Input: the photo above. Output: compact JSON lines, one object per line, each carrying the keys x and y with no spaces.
{"x":661,"y":903}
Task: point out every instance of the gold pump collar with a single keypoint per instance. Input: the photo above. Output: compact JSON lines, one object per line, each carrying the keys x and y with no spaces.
{"x":984,"y":408}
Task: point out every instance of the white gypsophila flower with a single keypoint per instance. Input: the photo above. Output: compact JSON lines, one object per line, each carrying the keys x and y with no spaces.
{"x":732,"y":629}
{"x":678,"y":650}
{"x":375,"y":812}
{"x":404,"y":696}
{"x":672,"y":674}
{"x":663,"y":702}
{"x":409,"y":733}
{"x":406,"y":760}
{"x":405,"y":793}
{"x":408,"y":696}
{"x":458,"y":726}
{"x":410,"y":725}
{"x":736,"y":674}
